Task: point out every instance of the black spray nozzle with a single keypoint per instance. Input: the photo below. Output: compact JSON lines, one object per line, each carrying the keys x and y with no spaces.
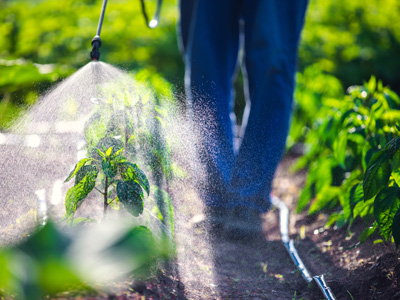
{"x":96,"y":44}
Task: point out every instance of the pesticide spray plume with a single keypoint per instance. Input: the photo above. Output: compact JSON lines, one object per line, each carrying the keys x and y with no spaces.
{"x":44,"y":145}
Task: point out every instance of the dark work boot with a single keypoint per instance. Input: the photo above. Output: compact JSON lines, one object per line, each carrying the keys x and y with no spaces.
{"x":243,"y":224}
{"x":216,"y":218}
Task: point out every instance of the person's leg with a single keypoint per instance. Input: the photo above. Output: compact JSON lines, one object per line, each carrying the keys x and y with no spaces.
{"x":272,"y":30}
{"x":211,"y":52}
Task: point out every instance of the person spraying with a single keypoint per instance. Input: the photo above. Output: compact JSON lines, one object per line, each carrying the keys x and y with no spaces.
{"x":240,"y":179}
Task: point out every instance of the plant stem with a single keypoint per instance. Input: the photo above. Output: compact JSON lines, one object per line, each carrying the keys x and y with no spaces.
{"x":99,"y":190}
{"x":105,"y":197}
{"x":111,"y":201}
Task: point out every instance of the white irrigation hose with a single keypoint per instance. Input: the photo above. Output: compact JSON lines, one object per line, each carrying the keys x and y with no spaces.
{"x":289,"y":245}
{"x":325,"y":289}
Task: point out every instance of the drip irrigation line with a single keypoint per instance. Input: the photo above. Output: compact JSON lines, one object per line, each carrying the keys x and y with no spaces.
{"x":289,"y":245}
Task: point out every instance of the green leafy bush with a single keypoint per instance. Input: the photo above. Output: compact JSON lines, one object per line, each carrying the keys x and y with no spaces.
{"x":314,"y":90}
{"x":28,"y":272}
{"x":50,"y":263}
{"x":130,"y":115}
{"x":126,"y":178}
{"x":353,"y":39}
{"x":346,"y":161}
{"x":381,"y":183}
{"x":44,"y":41}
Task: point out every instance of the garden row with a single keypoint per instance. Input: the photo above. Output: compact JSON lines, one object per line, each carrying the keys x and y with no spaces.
{"x":352,"y":153}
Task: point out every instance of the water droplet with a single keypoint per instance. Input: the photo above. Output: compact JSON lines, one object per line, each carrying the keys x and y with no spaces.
{"x":32,"y":141}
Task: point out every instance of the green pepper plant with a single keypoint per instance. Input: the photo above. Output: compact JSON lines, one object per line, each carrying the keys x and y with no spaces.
{"x":350,"y":159}
{"x":131,"y":121}
{"x":125,"y":178}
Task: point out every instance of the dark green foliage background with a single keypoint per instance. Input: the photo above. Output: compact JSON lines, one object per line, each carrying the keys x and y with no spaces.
{"x":42,"y":41}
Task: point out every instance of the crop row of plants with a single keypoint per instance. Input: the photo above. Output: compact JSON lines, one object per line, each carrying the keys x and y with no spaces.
{"x":46,"y":40}
{"x":353,"y":40}
{"x":42,"y":42}
{"x":352,"y":156}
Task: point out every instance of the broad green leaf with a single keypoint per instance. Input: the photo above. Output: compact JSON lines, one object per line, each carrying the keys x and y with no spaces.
{"x":131,"y":171}
{"x":327,"y":196}
{"x":100,"y":153}
{"x":50,"y":238}
{"x":393,"y":145}
{"x":396,"y":228}
{"x":80,"y":190}
{"x":386,"y":205}
{"x":71,"y":199}
{"x":118,"y":159}
{"x":108,"y":152}
{"x":364,"y":209}
{"x":355,"y":142}
{"x":389,"y":94}
{"x":341,"y":221}
{"x":43,"y":267}
{"x":80,"y":164}
{"x":58,"y":275}
{"x":321,"y":173}
{"x":141,"y":243}
{"x":367,"y":232}
{"x":396,"y":167}
{"x":127,"y":171}
{"x":138,"y":240}
{"x":110,"y":169}
{"x":333,"y":217}
{"x":339,"y":148}
{"x":377,"y":176}
{"x":103,"y":145}
{"x":347,"y":114}
{"x":117,"y":153}
{"x":143,"y":181}
{"x":130,"y":194}
{"x":368,"y":154}
{"x":85,"y":170}
{"x":8,"y":259}
{"x":304,"y":198}
{"x":356,"y":195}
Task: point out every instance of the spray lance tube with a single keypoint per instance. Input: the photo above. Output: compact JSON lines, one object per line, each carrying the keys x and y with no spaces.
{"x":96,"y":41}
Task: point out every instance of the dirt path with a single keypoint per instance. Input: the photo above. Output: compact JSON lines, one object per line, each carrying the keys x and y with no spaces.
{"x":220,"y":269}
{"x":217,"y":268}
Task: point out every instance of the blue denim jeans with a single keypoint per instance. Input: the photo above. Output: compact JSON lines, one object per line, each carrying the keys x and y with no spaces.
{"x":211,"y":31}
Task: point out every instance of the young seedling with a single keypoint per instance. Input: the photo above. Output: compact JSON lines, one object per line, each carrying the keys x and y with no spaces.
{"x":120,"y":180}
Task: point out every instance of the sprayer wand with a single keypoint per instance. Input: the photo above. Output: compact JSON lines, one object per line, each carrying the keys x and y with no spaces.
{"x":96,"y":41}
